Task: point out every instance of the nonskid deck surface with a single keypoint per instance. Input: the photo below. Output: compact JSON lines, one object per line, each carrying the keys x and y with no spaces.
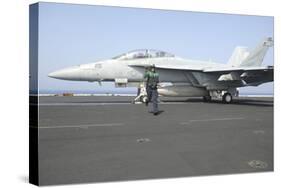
{"x":101,"y":138}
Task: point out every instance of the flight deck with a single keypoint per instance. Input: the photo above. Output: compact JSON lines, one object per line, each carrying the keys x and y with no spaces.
{"x":106,"y":138}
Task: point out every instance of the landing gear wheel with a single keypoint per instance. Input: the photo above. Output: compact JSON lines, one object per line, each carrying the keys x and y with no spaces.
{"x":227,"y":98}
{"x":143,"y":99}
{"x":207,"y":98}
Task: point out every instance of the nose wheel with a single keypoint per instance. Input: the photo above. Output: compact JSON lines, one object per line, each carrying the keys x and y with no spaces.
{"x":143,"y":99}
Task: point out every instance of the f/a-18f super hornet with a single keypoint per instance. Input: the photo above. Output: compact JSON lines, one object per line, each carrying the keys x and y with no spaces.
{"x":178,"y":76}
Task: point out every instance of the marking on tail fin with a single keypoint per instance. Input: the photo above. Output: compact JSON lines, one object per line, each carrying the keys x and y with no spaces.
{"x":242,"y":57}
{"x":256,"y":56}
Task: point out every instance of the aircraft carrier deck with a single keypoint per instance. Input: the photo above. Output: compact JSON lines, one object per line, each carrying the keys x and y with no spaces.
{"x":99,"y":138}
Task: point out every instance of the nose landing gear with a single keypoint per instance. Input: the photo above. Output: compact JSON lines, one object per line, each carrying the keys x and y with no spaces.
{"x":142,"y":95}
{"x":143,"y":98}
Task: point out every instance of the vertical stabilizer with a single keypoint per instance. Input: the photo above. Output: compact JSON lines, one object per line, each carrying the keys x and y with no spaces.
{"x":239,"y":54}
{"x":256,"y":56}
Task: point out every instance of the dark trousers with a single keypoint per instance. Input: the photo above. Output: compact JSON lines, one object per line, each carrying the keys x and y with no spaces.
{"x":152,"y":96}
{"x":148,"y":91}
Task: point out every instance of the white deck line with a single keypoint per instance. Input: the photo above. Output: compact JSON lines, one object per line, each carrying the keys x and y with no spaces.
{"x":207,"y":120}
{"x":80,"y":126}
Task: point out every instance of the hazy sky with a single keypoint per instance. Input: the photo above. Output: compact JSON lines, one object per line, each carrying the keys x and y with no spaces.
{"x":76,"y":34}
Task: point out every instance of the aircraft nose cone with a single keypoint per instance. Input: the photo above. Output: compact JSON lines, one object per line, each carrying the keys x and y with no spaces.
{"x":72,"y":73}
{"x":55,"y":74}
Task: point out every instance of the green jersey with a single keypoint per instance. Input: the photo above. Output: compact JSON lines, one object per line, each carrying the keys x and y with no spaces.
{"x":152,"y":79}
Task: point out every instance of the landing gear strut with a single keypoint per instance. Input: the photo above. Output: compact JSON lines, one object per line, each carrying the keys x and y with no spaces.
{"x":142,"y":96}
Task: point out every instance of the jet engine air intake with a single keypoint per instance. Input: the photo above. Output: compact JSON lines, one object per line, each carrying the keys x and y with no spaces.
{"x":121,"y":82}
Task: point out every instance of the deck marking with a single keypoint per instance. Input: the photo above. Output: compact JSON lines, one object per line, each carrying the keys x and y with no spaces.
{"x":80,"y":104}
{"x":104,"y":103}
{"x":206,"y":120}
{"x":80,"y":126}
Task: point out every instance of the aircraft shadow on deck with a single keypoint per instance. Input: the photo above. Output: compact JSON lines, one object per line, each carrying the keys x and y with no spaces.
{"x":104,"y":101}
{"x":250,"y":102}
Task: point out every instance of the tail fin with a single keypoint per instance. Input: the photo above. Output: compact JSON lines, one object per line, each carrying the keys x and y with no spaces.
{"x":242,"y":57}
{"x":239,"y":54}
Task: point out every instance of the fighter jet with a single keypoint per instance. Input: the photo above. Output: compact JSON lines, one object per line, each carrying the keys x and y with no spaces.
{"x":179,"y":76}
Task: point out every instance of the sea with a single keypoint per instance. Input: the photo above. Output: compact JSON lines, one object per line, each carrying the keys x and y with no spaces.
{"x":130,"y":92}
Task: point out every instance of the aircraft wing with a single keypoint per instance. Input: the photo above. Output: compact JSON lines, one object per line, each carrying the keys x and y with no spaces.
{"x":207,"y":70}
{"x":170,"y":67}
{"x":237,"y":69}
{"x":251,"y":76}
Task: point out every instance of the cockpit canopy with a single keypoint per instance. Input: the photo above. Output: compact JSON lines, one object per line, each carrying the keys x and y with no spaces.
{"x":145,"y":53}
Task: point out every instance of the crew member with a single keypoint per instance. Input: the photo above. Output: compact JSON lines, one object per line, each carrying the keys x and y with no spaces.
{"x":152,"y":80}
{"x":147,"y":89}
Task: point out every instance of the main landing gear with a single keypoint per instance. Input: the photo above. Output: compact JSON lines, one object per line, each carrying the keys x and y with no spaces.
{"x":227,"y":98}
{"x":225,"y":95}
